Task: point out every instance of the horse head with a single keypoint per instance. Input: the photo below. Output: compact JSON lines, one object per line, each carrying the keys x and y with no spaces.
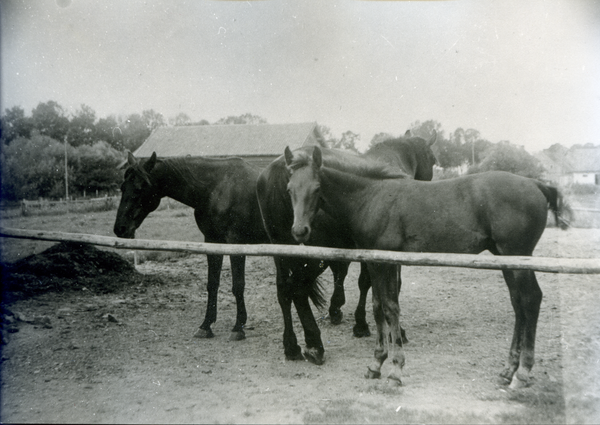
{"x":426,"y":159}
{"x":139,"y":196}
{"x":304,"y":190}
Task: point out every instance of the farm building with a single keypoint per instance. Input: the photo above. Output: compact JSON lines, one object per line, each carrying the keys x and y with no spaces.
{"x":578,"y":165}
{"x":257,"y":144}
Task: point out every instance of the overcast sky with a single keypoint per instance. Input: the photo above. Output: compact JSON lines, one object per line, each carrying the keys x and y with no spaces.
{"x":523,"y":71}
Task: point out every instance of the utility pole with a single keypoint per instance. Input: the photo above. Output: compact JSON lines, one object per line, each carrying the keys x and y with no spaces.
{"x":66,"y":176}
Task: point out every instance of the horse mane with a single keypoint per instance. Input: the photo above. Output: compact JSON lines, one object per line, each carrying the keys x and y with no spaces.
{"x":392,"y":144}
{"x":352,"y":164}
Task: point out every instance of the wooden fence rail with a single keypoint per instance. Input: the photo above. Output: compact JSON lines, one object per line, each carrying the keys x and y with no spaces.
{"x":542,"y":264}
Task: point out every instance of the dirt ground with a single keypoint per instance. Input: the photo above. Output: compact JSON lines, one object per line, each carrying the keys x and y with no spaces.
{"x":129,"y":356}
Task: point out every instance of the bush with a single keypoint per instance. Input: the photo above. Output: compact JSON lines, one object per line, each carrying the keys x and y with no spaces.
{"x":507,"y":157}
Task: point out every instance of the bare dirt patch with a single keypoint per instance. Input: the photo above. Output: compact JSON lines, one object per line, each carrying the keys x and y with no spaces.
{"x":130,"y":356}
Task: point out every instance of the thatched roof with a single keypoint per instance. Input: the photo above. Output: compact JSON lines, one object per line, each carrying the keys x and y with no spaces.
{"x":229,"y":140}
{"x":574,"y":160}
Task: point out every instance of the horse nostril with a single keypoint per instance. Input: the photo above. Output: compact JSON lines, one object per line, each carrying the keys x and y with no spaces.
{"x":301,"y":232}
{"x":121,"y":231}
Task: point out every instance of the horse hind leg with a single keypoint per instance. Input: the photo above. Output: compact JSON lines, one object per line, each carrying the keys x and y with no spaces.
{"x":361,"y":327}
{"x":338,"y":298}
{"x":387,"y":316}
{"x":526,"y":298}
{"x":215,"y":263}
{"x":238,"y":266}
{"x":381,"y":351}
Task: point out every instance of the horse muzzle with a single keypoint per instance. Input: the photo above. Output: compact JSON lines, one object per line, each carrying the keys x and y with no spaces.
{"x":124,"y":232}
{"x":301,"y":233}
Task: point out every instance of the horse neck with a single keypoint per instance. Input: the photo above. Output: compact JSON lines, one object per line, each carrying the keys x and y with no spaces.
{"x":399,"y":155}
{"x":342,"y":192}
{"x":187,"y":181}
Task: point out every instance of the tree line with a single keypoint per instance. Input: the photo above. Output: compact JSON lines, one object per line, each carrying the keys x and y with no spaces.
{"x":33,"y":148}
{"x":461,"y":151}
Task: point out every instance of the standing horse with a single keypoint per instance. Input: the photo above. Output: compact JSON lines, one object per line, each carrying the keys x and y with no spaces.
{"x":296,"y":276}
{"x":496,"y":211}
{"x":223,"y":195}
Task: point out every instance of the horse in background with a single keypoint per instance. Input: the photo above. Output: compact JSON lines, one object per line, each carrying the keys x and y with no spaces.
{"x":296,"y":276}
{"x":495,"y":211}
{"x":222,"y":193}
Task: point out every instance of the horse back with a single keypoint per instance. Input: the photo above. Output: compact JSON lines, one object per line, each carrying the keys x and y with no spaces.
{"x":233,"y":211}
{"x":464,"y":215}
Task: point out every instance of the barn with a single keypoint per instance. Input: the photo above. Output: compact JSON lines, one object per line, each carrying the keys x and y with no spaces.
{"x":577,"y":165}
{"x":257,"y":144}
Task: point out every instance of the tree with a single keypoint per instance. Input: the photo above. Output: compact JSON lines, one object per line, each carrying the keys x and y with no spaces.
{"x":348,"y":141}
{"x":380,"y":137}
{"x":97,"y":168}
{"x":180,"y":119}
{"x":14,"y":124}
{"x":82,"y":128}
{"x":33,"y":168}
{"x":135,"y":132}
{"x":326,"y":136}
{"x":426,"y":129}
{"x":50,"y":120}
{"x":111,"y":131}
{"x":470,"y":144}
{"x":242,"y":119}
{"x":152,"y":119}
{"x":506,"y":157}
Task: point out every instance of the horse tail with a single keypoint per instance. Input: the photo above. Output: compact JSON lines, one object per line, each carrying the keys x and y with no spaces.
{"x":315,"y":293}
{"x":556,"y":204}
{"x":310,"y":283}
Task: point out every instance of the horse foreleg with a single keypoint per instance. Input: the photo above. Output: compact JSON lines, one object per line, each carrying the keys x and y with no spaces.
{"x":526,"y":298}
{"x":215,"y":263}
{"x":284,"y":296}
{"x":338,"y":298}
{"x":314,"y":352}
{"x":238,"y":266}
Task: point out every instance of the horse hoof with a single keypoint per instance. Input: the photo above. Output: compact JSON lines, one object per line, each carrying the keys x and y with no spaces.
{"x":336,"y":318}
{"x":295,"y":357}
{"x":201,"y":333}
{"x":360,"y":331}
{"x":314,"y":356}
{"x":371,"y":374}
{"x":507,"y":374}
{"x":394,"y":380}
{"x":237,"y":336}
{"x":518,"y":383}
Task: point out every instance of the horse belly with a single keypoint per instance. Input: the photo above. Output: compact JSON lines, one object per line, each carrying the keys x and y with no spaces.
{"x":436,"y":231}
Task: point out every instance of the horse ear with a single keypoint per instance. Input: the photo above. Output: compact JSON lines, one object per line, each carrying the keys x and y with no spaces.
{"x":289,"y":157}
{"x":131,"y":159}
{"x":318,"y":157}
{"x":433,"y":138}
{"x":408,"y":133}
{"x":149,"y":165}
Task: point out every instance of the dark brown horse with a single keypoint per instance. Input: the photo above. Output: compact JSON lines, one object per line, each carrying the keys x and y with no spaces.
{"x":296,"y":277}
{"x":496,"y":211}
{"x":223,"y":195}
